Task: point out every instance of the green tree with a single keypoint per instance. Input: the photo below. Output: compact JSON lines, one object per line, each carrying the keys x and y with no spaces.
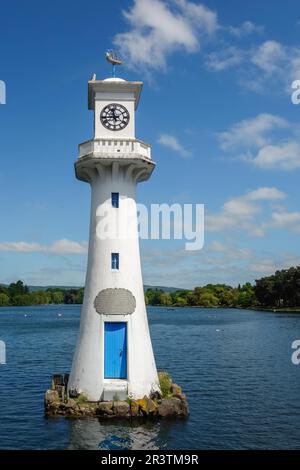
{"x":79,"y":296}
{"x":4,"y":300}
{"x":165,"y":299}
{"x":57,"y":297}
{"x":208,"y":299}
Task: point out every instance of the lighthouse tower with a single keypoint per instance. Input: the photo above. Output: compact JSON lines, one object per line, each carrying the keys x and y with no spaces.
{"x":113,"y":357}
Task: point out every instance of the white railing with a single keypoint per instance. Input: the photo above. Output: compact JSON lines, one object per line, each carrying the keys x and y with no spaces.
{"x":122,"y":147}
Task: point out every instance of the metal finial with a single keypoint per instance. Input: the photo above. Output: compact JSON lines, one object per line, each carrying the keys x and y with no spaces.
{"x":113,"y":59}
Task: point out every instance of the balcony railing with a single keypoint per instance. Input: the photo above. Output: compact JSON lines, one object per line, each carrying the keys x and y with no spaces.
{"x":115,"y":147}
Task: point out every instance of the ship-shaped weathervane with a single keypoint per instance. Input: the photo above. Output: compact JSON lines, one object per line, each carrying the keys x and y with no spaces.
{"x":114,"y":59}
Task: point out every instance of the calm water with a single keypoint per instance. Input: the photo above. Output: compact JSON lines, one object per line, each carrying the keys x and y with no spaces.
{"x":235,"y":367}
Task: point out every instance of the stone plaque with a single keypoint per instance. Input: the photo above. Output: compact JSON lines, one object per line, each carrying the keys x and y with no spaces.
{"x":116,"y":301}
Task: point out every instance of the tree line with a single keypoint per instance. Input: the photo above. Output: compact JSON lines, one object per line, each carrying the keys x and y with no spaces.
{"x":281,"y":290}
{"x":18,"y":294}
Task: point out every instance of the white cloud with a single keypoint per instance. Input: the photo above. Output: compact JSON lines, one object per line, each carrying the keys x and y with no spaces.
{"x":266,"y":194}
{"x":283,"y":156}
{"x":251,"y":132}
{"x":258,"y":66}
{"x":230,"y":251}
{"x":218,"y":262}
{"x":161,"y":27}
{"x":266,"y":141}
{"x":63,"y":246}
{"x":269,"y":56}
{"x":224,"y":59}
{"x":241,"y":211}
{"x":246,"y":28}
{"x":21,"y":247}
{"x":171,"y":142}
{"x":282,"y":219}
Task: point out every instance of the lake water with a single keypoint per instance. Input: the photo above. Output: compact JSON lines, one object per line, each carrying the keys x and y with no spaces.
{"x":234,"y":365}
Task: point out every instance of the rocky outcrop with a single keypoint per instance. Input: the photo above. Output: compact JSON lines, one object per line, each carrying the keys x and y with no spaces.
{"x":59,"y":403}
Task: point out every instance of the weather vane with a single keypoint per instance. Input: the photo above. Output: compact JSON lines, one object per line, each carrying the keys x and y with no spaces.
{"x":113,"y":59}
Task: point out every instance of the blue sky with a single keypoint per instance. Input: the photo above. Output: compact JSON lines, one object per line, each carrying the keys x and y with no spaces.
{"x":216,"y":106}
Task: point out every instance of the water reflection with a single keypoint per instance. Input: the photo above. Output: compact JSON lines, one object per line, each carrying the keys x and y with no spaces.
{"x":90,"y":433}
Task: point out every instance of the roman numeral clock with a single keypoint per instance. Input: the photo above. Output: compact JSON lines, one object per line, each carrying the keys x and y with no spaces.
{"x":114,"y":117}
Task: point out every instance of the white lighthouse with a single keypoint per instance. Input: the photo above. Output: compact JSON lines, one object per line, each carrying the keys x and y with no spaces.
{"x":113,"y":357}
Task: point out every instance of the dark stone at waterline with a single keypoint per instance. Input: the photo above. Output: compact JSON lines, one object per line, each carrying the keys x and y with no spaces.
{"x":173,"y":407}
{"x":121,"y":408}
{"x":105,"y":408}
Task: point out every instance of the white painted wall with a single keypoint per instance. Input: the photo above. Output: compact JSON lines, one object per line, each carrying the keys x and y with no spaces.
{"x":117,"y":175}
{"x":87,"y":374}
{"x":125,"y":99}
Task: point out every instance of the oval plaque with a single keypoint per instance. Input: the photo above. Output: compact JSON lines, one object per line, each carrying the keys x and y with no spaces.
{"x":115,"y":301}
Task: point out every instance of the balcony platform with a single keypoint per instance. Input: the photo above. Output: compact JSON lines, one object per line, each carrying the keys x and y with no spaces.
{"x":108,"y":151}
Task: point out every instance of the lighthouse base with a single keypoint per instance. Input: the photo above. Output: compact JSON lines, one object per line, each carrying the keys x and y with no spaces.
{"x":171,"y":403}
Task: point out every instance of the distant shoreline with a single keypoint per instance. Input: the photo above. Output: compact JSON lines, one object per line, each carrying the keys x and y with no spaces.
{"x":255,"y":309}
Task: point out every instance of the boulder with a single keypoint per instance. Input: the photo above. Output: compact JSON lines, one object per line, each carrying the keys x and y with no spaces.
{"x":147,"y":406}
{"x":151,"y":406}
{"x":88,"y":409}
{"x":172,"y":407}
{"x":181,"y":396}
{"x":51,"y":396}
{"x":105,"y":408}
{"x":185,"y":408}
{"x":134,"y":408}
{"x":121,"y":408}
{"x":142,"y":404}
{"x":71,"y":404}
{"x":175,"y":389}
{"x":52,"y":402}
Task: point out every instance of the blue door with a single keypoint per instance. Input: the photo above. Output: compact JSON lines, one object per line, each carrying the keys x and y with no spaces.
{"x":115,"y":350}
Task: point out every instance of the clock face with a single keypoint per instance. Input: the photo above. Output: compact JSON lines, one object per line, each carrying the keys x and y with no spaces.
{"x":114,"y":117}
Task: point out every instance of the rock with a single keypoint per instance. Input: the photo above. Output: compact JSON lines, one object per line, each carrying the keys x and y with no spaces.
{"x":134,"y":408}
{"x":57,"y":379}
{"x":83,"y":409}
{"x":51,"y":396}
{"x":52,"y":402}
{"x":185,"y":408}
{"x":105,"y":408}
{"x":181,"y":396}
{"x":151,"y":406}
{"x":60,"y":402}
{"x":71,"y":404}
{"x":155,"y":395}
{"x":142,"y":404}
{"x":87,"y":409}
{"x":172,"y":407}
{"x":147,"y":406}
{"x":121,"y":408}
{"x":175,"y":389}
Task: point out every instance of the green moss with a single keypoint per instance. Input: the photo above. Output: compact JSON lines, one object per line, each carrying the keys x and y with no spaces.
{"x":165,"y":383}
{"x":129,"y":399}
{"x":81,"y":399}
